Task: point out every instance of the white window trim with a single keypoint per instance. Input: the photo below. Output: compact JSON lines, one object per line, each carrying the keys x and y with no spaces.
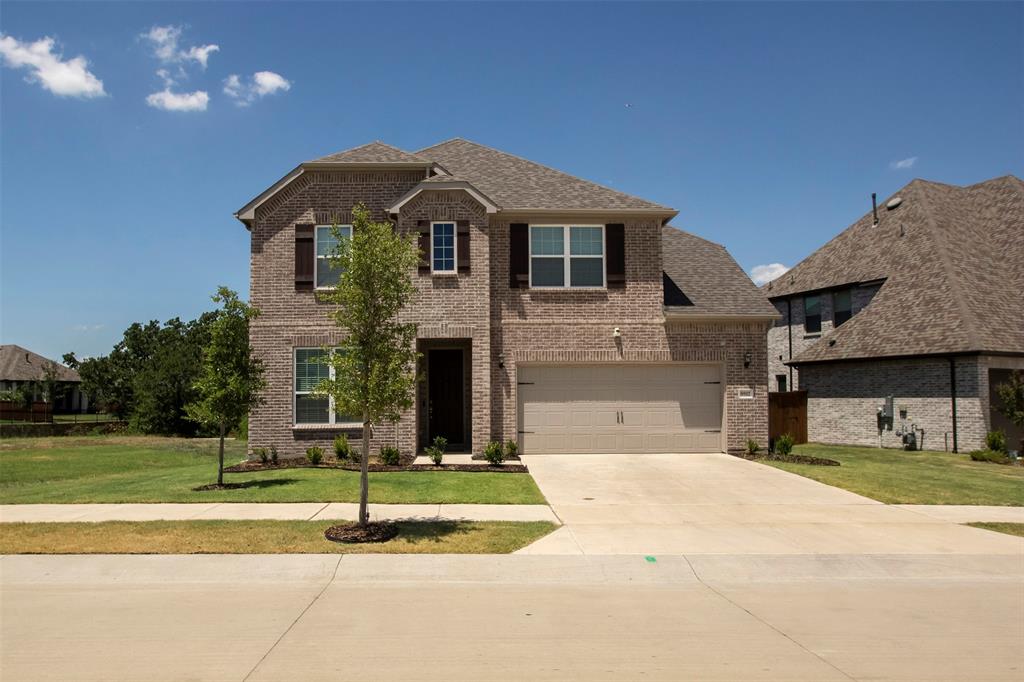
{"x":331,"y":412}
{"x":316,"y":252}
{"x":455,"y":247}
{"x":567,"y":257}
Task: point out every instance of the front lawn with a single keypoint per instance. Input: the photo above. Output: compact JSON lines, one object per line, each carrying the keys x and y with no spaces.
{"x":1001,"y":527}
{"x":924,"y":477}
{"x":116,"y":469}
{"x":262,"y":537}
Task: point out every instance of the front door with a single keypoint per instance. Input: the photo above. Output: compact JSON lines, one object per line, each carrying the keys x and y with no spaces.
{"x":446,"y":395}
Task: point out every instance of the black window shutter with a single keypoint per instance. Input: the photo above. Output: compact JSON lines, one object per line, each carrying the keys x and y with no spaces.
{"x":519,"y":256}
{"x":462,"y":244}
{"x":424,"y":228}
{"x":615,"y":258}
{"x":304,"y":257}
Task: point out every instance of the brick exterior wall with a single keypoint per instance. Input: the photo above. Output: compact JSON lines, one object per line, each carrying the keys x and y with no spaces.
{"x":843,"y":398}
{"x":479,"y":312}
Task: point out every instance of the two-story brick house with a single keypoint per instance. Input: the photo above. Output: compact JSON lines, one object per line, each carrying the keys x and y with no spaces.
{"x":924,"y":303}
{"x":550,"y":310}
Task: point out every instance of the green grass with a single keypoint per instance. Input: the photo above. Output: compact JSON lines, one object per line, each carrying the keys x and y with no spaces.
{"x":262,"y":537}
{"x":115,"y":469}
{"x":924,"y":477}
{"x":1001,"y":527}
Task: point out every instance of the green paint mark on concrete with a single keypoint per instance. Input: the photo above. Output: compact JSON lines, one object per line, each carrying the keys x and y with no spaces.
{"x":651,"y":560}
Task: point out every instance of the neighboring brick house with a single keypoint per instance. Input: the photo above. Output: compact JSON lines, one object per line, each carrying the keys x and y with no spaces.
{"x":926,"y":306}
{"x":21,"y":368}
{"x":551,"y":311}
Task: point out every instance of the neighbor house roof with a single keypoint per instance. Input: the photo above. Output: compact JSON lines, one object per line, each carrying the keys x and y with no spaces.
{"x":21,"y":364}
{"x":711,"y":282}
{"x":509,"y":183}
{"x":950,"y":258}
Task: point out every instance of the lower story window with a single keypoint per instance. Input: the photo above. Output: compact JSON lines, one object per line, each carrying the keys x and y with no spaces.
{"x":311,"y":367}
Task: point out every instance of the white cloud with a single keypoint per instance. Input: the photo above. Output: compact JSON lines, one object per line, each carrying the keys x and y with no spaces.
{"x":164,"y":41}
{"x":70,"y":78}
{"x":261,"y":84}
{"x":762,"y":274}
{"x":903,"y":164}
{"x":88,"y":327}
{"x":178,"y":101}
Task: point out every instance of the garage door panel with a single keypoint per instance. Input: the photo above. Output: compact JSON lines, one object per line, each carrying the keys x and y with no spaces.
{"x":620,"y":408}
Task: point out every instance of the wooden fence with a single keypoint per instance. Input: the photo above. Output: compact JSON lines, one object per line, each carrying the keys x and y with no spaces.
{"x":17,"y":412}
{"x":787,"y":413}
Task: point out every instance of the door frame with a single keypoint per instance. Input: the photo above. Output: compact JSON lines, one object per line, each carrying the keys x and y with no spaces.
{"x":720,"y":364}
{"x":465,"y":352}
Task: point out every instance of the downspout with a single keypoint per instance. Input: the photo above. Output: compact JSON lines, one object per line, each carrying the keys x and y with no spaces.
{"x":952,"y":396}
{"x":789,"y":327}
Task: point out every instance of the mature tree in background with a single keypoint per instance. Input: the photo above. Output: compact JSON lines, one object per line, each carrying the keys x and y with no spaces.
{"x":231,"y":380}
{"x":1011,"y":397}
{"x":374,"y":367}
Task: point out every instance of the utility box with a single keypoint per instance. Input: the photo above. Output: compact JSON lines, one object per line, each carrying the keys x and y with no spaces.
{"x":885,"y":415}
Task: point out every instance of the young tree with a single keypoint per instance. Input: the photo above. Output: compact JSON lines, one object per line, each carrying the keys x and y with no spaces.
{"x":1011,"y":395}
{"x":231,"y":380}
{"x":374,"y":367}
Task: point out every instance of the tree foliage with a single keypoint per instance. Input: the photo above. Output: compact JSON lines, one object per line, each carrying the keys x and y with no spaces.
{"x":374,"y":367}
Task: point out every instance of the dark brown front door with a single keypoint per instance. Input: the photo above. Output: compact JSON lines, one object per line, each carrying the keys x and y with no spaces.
{"x":446,"y":389}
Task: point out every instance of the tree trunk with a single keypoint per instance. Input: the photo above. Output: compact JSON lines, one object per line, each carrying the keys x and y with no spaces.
{"x":364,"y":473}
{"x":220,"y":457}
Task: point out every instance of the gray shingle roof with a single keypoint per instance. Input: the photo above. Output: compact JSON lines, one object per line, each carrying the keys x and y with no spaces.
{"x":516,"y":183}
{"x":951,"y":259}
{"x":709,"y":277}
{"x":374,"y":152}
{"x":21,"y":364}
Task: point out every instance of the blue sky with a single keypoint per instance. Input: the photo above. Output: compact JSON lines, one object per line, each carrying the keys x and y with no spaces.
{"x":766,"y":125}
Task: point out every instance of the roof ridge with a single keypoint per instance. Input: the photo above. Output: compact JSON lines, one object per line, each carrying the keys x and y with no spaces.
{"x":546,"y":167}
{"x":955,"y":284}
{"x":694,"y":235}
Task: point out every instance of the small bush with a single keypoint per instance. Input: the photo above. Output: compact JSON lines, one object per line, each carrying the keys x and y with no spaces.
{"x":356,"y":455}
{"x":494,"y":453}
{"x":752,"y":447}
{"x":315,"y":454}
{"x":511,"y":449}
{"x":342,"y":450}
{"x":390,"y":456}
{"x":992,"y":456}
{"x":262,"y":453}
{"x":273,"y":454}
{"x":435,"y":455}
{"x":441,"y":443}
{"x":996,"y":441}
{"x":784,"y":444}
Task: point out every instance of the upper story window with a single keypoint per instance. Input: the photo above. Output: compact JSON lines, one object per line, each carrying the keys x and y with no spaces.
{"x":442,"y":247}
{"x":567,"y":256}
{"x":310,"y":369}
{"x":842,"y":306}
{"x":812,"y":314}
{"x":327,"y":274}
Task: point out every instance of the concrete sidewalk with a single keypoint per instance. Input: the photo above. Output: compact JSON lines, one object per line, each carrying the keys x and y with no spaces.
{"x":300,"y":511}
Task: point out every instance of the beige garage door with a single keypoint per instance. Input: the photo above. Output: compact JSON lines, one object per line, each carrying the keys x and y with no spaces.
{"x":620,"y":408}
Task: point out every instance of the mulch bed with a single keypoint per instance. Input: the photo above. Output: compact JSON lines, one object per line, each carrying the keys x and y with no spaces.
{"x":376,"y":531}
{"x":508,"y":458}
{"x":793,"y":459}
{"x":299,"y":463}
{"x":219,"y":486}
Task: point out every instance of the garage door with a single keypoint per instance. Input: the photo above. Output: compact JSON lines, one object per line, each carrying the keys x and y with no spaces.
{"x":620,"y":408}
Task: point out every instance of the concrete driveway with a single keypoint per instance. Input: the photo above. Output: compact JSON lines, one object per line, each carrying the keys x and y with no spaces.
{"x":718,"y":504}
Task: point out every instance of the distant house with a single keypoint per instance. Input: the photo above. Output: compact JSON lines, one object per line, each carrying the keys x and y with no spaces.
{"x":924,"y":303}
{"x":20,"y":366}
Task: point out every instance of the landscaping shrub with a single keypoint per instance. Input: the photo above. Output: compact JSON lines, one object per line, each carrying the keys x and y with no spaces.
{"x":436,"y":451}
{"x":356,"y":455}
{"x":511,"y":449}
{"x":342,"y":450}
{"x":752,"y":447}
{"x":494,"y":453}
{"x":315,"y":454}
{"x":262,"y":453}
{"x":390,"y":456}
{"x":273,"y":454}
{"x":242,"y":430}
{"x":784,"y":444}
{"x":993,"y":456}
{"x":996,"y":441}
